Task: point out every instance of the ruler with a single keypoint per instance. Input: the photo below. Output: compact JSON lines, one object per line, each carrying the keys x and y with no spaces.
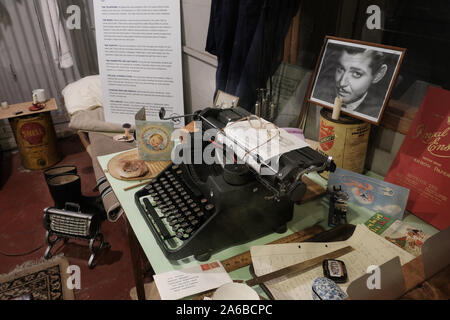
{"x":299,"y":267}
{"x":245,"y":259}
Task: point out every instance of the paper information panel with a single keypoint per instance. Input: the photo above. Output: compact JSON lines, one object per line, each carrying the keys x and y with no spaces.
{"x":139,"y":49}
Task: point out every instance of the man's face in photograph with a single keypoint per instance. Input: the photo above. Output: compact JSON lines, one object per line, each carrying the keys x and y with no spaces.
{"x":354,"y":76}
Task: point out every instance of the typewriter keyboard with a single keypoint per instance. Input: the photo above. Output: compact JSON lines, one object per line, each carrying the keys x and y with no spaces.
{"x":175,"y":206}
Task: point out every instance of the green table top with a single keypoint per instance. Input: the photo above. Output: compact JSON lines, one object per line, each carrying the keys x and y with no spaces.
{"x":305,"y":215}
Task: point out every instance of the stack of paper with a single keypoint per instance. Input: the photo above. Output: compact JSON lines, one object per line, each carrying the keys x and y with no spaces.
{"x":370,"y":249}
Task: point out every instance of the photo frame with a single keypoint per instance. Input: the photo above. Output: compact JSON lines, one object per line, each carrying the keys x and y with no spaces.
{"x":225,"y":100}
{"x":361,"y":73}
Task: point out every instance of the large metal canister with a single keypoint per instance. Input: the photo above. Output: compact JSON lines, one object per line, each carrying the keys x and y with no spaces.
{"x":345,"y":140}
{"x":36,"y":140}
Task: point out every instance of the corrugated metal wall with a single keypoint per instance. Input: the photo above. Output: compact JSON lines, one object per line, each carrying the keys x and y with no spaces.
{"x":26,"y":62}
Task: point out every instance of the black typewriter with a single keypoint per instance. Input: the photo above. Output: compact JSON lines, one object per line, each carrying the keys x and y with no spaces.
{"x":199,"y":209}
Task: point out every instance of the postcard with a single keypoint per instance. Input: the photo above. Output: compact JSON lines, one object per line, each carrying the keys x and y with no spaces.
{"x":371,"y":193}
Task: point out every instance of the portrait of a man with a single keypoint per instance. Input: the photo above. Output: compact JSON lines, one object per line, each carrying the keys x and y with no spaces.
{"x":360,"y":75}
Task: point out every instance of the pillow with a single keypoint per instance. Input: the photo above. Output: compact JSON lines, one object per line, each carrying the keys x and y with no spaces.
{"x":93,"y":120}
{"x":83,"y":94}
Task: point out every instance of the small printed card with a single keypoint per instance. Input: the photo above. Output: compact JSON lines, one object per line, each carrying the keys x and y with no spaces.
{"x":153,"y":138}
{"x":378,"y":223}
{"x":182,"y":283}
{"x":399,"y":233}
{"x":371,"y":193}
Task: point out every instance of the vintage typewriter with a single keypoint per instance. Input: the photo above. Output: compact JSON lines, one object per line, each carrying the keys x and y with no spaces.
{"x":199,"y":209}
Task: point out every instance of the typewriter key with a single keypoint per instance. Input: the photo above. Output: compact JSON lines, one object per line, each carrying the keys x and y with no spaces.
{"x":173,"y":222}
{"x":197,"y":209}
{"x":191,"y":218}
{"x":200,"y":214}
{"x":189,"y":230}
{"x":175,"y":197}
{"x":176,"y":227}
{"x":184,"y":209}
{"x":182,"y":236}
{"x":162,"y":179}
{"x":169,"y":214}
{"x":203,"y":201}
{"x":194,"y":223}
{"x":184,"y":224}
{"x":179,"y":172}
{"x":189,"y":201}
{"x":188,"y":213}
{"x":209,"y":207}
{"x":175,"y":167}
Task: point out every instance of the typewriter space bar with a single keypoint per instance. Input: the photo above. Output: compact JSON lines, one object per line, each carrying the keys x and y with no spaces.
{"x":162,"y":228}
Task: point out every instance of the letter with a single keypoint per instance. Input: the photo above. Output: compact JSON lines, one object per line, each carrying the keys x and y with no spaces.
{"x":374,"y":281}
{"x":181,"y":153}
{"x":74,"y":21}
{"x":179,"y":310}
{"x":206,"y":311}
{"x":374,"y":21}
{"x":74,"y":280}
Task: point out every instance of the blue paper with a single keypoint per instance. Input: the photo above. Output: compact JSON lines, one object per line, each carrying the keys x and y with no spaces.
{"x":371,"y":193}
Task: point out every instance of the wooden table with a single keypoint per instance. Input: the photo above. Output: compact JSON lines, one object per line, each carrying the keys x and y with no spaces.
{"x":34,"y":133}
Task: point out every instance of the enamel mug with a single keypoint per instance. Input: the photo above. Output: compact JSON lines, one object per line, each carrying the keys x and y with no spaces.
{"x":39,"y":96}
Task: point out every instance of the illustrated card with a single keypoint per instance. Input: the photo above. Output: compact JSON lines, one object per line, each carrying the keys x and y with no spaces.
{"x":153,"y":138}
{"x":371,"y":193}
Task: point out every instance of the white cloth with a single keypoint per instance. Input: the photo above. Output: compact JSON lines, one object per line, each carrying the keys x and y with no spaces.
{"x":55,"y":32}
{"x":83,"y":94}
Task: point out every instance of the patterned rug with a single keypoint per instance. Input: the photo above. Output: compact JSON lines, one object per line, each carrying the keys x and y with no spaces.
{"x":37,"y":280}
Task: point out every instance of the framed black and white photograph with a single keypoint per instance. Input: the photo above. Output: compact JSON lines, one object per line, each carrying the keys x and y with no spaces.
{"x":361,"y":74}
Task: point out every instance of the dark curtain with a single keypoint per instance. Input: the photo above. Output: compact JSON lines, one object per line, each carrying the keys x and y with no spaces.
{"x":247,"y":37}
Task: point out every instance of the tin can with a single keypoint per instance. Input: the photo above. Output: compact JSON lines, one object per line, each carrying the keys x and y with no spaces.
{"x":36,"y":140}
{"x":346,"y":140}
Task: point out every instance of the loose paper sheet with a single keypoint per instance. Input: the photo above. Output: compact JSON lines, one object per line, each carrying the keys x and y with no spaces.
{"x":259,"y":138}
{"x":178,"y":284}
{"x":370,"y":249}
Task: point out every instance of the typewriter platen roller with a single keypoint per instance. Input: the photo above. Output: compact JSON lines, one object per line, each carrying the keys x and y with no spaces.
{"x":199,"y":209}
